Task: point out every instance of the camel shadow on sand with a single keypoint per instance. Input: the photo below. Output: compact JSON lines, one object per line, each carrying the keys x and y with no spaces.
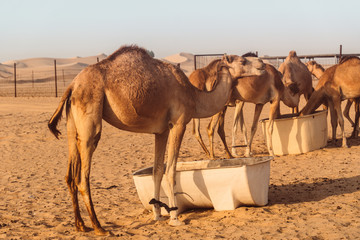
{"x":317,"y":190}
{"x":351,"y":142}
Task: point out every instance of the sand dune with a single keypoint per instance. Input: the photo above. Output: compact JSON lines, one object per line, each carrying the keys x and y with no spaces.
{"x":44,"y":67}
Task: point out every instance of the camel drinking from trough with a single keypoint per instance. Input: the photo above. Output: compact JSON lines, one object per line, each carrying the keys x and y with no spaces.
{"x":259,"y":90}
{"x":134,"y":92}
{"x":339,"y":82}
{"x":317,"y":70}
{"x":295,"y":72}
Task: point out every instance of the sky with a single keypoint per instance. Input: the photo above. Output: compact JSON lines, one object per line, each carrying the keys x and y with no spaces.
{"x":64,"y":29}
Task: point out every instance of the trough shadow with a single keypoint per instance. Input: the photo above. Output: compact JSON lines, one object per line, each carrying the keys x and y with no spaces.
{"x":308,"y":192}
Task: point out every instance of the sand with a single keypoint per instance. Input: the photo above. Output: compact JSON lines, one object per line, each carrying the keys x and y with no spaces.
{"x":312,"y":196}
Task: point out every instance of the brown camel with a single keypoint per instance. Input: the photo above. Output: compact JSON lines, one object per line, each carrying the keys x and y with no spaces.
{"x":295,"y":72}
{"x":134,"y":92}
{"x":339,"y":82}
{"x":259,"y":90}
{"x":317,"y":70}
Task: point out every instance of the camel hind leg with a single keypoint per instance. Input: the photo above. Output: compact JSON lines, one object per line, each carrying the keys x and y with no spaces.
{"x":355,"y":132}
{"x":73,"y":173}
{"x":88,"y":131}
{"x":346,"y":111}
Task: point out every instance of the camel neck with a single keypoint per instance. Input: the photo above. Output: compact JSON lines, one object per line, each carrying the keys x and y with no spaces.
{"x":210,"y":103}
{"x":318,"y":73}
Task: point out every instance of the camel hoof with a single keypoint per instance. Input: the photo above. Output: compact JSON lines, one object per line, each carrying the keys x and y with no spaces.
{"x":82,"y":228}
{"x":248,"y":152}
{"x":159,"y":218}
{"x":101,"y":232}
{"x":234,"y":154}
{"x":176,"y":222}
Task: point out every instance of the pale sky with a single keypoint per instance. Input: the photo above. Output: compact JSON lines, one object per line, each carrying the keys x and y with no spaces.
{"x":64,"y":29}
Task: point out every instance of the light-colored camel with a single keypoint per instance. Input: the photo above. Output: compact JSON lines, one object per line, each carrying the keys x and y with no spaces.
{"x":134,"y":92}
{"x":339,"y":82}
{"x":259,"y":90}
{"x":295,"y":72}
{"x":317,"y":70}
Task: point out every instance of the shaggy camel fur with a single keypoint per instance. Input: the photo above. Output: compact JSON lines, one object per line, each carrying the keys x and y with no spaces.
{"x":134,"y":92}
{"x":317,"y":70}
{"x":259,"y":90}
{"x":295,"y":72}
{"x":339,"y":82}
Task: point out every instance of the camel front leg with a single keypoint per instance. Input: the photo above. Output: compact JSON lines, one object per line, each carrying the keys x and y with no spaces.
{"x":210,"y":130}
{"x":273,"y":110}
{"x":196,"y":132}
{"x":175,"y":139}
{"x":238,"y":119}
{"x":221,"y":132}
{"x":257,"y":113}
{"x":158,"y":170}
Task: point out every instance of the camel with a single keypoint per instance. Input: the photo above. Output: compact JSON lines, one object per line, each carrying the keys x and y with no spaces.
{"x":295,"y":72}
{"x":317,"y":70}
{"x":259,"y":90}
{"x":339,"y":82}
{"x":135,"y":92}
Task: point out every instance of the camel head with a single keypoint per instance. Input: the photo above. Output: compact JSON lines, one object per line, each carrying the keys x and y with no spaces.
{"x":243,"y":67}
{"x":292,"y":53}
{"x":313,"y":66}
{"x":290,"y":95}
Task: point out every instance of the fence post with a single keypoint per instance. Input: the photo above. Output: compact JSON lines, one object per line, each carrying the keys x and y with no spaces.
{"x":55,"y":78}
{"x":340,"y":53}
{"x":194,"y":62}
{"x":15,"y":78}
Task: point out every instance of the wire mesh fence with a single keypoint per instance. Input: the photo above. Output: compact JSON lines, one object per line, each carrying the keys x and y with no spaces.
{"x":37,"y":83}
{"x":51,"y":82}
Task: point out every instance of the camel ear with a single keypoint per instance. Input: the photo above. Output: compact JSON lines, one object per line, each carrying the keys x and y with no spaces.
{"x":226,"y":58}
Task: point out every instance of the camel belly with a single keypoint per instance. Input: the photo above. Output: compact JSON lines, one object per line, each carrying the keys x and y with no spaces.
{"x":123,"y":114}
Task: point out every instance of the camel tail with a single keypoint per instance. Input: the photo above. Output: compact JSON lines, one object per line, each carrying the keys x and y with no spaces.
{"x":56,"y":117}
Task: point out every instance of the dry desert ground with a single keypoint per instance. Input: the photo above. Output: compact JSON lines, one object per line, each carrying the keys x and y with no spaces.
{"x":311,"y":196}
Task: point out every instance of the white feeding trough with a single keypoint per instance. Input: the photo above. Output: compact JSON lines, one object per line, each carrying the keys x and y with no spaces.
{"x":295,"y":135}
{"x":220,"y":184}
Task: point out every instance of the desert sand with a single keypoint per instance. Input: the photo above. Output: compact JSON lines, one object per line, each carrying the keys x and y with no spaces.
{"x":311,"y":196}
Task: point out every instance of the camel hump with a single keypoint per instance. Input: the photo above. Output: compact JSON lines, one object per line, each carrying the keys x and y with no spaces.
{"x":249,"y":54}
{"x":346,"y":58}
{"x":128,"y":49}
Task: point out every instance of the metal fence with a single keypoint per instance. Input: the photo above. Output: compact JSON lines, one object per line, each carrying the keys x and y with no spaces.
{"x":326,"y":60}
{"x":27,"y":82}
